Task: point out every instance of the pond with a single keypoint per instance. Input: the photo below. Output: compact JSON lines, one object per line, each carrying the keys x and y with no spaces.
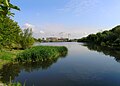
{"x":84,"y":65}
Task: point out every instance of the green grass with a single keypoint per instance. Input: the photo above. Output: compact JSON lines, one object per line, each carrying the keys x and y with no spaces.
{"x":7,"y":56}
{"x":41,"y":53}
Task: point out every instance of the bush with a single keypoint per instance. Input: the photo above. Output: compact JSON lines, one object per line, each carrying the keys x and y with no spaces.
{"x":41,"y":53}
{"x":26,"y":40}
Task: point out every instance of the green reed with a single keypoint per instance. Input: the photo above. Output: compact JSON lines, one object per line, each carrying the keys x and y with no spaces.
{"x":41,"y":53}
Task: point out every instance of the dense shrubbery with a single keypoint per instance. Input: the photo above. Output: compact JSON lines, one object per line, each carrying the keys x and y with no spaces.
{"x":105,"y":38}
{"x":41,"y":53}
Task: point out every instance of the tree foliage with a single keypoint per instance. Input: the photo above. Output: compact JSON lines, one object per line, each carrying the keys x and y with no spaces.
{"x":5,"y":8}
{"x":11,"y":36}
{"x":9,"y":30}
{"x":105,"y":38}
{"x":9,"y":33}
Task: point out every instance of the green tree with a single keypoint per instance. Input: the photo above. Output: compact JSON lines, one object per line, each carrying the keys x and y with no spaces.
{"x":5,"y":11}
{"x":39,"y":40}
{"x":5,"y":8}
{"x":26,"y":40}
{"x":105,"y":38}
{"x":9,"y":33}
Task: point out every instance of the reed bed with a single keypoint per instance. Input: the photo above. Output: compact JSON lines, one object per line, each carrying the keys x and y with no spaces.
{"x":41,"y":53}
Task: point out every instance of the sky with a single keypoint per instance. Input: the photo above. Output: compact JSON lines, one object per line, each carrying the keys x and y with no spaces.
{"x":67,"y":18}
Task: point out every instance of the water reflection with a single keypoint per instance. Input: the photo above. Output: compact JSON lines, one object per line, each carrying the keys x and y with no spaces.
{"x":105,"y":50}
{"x":13,"y":69}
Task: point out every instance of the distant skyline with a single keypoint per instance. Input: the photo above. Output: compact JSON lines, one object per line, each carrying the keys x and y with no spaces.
{"x":75,"y":17}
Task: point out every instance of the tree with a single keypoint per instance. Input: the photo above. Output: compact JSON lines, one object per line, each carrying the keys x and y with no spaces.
{"x":9,"y":33}
{"x":5,"y":7}
{"x":105,"y":38}
{"x":5,"y":11}
{"x":39,"y":40}
{"x":26,"y":40}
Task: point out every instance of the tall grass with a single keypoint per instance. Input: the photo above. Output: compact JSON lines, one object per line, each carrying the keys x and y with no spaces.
{"x":41,"y":53}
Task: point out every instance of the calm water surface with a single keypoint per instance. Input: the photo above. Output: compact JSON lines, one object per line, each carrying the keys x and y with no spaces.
{"x":83,"y":66}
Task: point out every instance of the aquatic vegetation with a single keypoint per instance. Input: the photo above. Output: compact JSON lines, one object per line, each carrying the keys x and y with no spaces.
{"x":41,"y":53}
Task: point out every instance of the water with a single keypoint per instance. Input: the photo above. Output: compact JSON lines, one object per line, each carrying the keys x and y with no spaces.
{"x":88,"y":65}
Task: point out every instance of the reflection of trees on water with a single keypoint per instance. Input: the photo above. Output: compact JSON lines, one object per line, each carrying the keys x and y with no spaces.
{"x":9,"y":70}
{"x":105,"y":50}
{"x":13,"y":69}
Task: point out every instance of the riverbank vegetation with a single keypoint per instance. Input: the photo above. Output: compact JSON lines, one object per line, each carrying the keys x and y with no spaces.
{"x":41,"y":53}
{"x":13,"y":40}
{"x":8,"y":56}
{"x":109,"y":38}
{"x":36,"y":53}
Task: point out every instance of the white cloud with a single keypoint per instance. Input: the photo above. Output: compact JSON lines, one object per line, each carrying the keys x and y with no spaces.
{"x":28,"y":25}
{"x":59,"y":30}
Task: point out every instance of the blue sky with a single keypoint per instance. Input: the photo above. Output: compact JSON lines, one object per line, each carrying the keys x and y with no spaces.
{"x":75,"y":17}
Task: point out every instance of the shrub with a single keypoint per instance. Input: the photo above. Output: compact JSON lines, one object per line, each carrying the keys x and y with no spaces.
{"x":26,"y":40}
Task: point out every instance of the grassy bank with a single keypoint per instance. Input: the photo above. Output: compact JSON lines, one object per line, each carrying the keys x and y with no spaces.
{"x":37,"y":53}
{"x":41,"y":53}
{"x":8,"y":56}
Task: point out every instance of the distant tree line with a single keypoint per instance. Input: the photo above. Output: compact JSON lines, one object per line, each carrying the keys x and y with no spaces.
{"x":105,"y":38}
{"x":38,"y":40}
